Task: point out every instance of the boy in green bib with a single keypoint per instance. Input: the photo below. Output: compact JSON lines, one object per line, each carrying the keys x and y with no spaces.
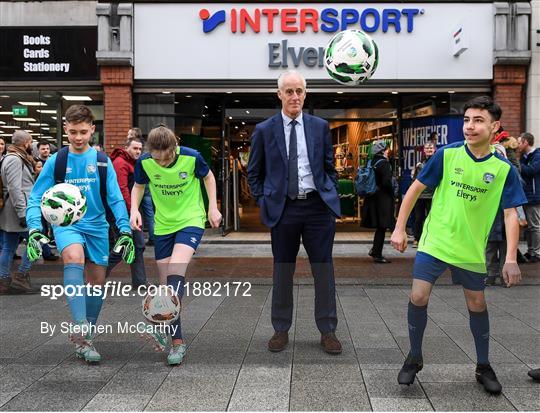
{"x":173,"y":174}
{"x":471,"y":183}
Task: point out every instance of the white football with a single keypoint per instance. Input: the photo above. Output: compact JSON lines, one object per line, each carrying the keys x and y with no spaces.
{"x":63,"y":204}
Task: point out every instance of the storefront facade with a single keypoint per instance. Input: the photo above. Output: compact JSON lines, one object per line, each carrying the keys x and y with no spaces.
{"x":209,"y":70}
{"x":47,"y":63}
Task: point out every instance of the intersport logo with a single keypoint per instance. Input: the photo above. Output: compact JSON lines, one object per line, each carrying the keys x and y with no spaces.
{"x":291,"y":20}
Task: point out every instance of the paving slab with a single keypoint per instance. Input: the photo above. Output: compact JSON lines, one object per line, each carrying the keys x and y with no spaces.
{"x":117,"y":403}
{"x":228,"y":366}
{"x":400,"y":404}
{"x":324,"y":396}
{"x":465,"y":397}
{"x":383,"y":384}
{"x":523,"y":399}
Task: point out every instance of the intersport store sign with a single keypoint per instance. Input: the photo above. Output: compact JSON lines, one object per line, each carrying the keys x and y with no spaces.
{"x":257,"y":41}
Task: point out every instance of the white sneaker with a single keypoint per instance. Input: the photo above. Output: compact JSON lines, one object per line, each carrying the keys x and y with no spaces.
{"x":176,"y":354}
{"x":87,"y":352}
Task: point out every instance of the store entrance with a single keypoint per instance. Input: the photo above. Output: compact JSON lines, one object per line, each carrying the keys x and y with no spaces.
{"x":241,"y":212}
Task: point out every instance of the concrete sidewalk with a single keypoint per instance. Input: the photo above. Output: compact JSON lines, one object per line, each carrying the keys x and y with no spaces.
{"x":227,"y":366}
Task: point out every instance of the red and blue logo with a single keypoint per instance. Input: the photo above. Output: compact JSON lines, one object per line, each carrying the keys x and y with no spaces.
{"x":330,"y":20}
{"x":210,"y":22}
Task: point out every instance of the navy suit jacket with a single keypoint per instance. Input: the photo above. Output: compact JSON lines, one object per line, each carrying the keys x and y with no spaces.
{"x":268,"y":165}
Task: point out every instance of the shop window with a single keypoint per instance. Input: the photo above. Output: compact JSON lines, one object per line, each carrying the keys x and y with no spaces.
{"x":40,"y":113}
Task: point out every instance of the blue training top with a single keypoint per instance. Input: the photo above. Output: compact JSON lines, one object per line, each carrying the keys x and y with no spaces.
{"x":82,"y":172}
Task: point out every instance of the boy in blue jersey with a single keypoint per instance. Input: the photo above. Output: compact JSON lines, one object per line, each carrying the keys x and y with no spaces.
{"x":87,"y":239}
{"x":471,"y":181}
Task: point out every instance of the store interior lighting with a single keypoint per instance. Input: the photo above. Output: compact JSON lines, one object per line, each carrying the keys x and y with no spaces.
{"x":24,"y":119}
{"x":32,"y":103}
{"x":46,"y":111}
{"x":78,"y":98}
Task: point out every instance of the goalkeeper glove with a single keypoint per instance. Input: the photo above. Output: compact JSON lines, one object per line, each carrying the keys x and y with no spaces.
{"x":124,"y":246}
{"x":34,"y":248}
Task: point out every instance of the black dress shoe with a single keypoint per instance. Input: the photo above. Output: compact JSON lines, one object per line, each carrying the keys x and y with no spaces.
{"x":534,"y":374}
{"x":370,"y":253}
{"x":534,"y":259}
{"x":381,"y":260}
{"x":487,"y":378}
{"x":408,"y":372}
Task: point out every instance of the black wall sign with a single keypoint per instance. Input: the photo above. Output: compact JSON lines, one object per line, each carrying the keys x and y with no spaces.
{"x":48,"y":53}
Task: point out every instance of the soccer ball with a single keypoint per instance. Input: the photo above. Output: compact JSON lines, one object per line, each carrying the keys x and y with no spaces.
{"x":351,"y":57}
{"x":161,"y":307}
{"x":63,"y":204}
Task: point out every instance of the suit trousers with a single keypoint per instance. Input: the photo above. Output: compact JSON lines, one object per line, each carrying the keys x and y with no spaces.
{"x":311,"y":221}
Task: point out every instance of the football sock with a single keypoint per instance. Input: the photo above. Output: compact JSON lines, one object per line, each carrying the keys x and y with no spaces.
{"x":177,"y":283}
{"x":417,"y":320}
{"x":93,"y":305}
{"x":74,"y":287}
{"x":479,"y":323}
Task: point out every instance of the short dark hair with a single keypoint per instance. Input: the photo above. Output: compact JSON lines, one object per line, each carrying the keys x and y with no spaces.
{"x":130,"y":140}
{"x":484,"y":102}
{"x":43,"y":143}
{"x":79,"y":114}
{"x":529,"y":137}
{"x":138,"y":133}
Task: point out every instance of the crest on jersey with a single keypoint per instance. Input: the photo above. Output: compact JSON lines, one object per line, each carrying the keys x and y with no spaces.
{"x":91,"y":169}
{"x":488,"y":178}
{"x":157,"y":177}
{"x":183,"y":175}
{"x":458,"y":171}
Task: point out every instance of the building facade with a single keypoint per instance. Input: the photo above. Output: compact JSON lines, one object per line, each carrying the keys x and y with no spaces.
{"x":209,"y":70}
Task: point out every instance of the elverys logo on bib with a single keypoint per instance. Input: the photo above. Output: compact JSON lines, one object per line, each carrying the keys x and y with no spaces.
{"x":91,"y":169}
{"x":488,"y":178}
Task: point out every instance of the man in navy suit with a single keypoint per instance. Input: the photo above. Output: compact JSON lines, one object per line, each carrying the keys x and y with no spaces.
{"x":291,"y":174}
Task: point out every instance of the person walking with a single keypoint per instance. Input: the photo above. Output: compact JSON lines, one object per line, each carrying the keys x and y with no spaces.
{"x":17,"y":174}
{"x":378,"y":209}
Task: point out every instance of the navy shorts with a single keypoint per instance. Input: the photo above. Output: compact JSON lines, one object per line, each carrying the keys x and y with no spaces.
{"x":164,"y":244}
{"x":428,"y":268}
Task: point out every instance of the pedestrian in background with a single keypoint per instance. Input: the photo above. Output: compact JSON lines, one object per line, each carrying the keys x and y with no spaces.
{"x":17,"y":174}
{"x":378,"y":209}
{"x":147,"y":206}
{"x":423,"y":205}
{"x":530,"y":172}
{"x":123,"y":161}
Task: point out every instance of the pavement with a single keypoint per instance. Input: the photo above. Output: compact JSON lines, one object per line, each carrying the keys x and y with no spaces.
{"x":227,"y":366}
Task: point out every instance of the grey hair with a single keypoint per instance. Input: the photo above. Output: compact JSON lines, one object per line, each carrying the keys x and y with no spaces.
{"x":289,"y":73}
{"x":20,"y":137}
